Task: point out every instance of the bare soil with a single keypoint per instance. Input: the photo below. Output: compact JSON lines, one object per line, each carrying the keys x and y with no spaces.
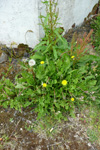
{"x":69,"y":135}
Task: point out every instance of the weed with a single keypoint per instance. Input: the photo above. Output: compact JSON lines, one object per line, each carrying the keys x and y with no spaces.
{"x":5,"y":138}
{"x":92,"y":135}
{"x":96,"y":34}
{"x":92,"y":121}
{"x":51,"y":80}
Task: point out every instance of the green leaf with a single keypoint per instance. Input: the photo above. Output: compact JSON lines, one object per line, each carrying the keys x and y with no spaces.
{"x":82,"y":70}
{"x":5,"y":104}
{"x":66,"y":63}
{"x":37,"y":56}
{"x":55,"y":53}
{"x":62,"y":103}
{"x":45,"y":2}
{"x":1,"y":87}
{"x":27,"y":104}
{"x":57,"y":105}
{"x":47,"y":48}
{"x":46,"y":20}
{"x":39,"y":45}
{"x":19,"y":86}
{"x":88,"y":58}
{"x":66,"y":107}
{"x":8,"y":83}
{"x":58,"y":35}
{"x":55,"y":81}
{"x":89,"y":77}
{"x":41,"y":16}
{"x":72,"y":114}
{"x":92,"y":83}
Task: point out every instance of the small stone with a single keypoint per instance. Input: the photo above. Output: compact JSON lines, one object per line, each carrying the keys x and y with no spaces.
{"x":24,"y":59}
{"x":27,"y":55}
{"x":76,"y":136}
{"x":2,"y":131}
{"x":1,"y":111}
{"x":89,"y":144}
{"x":21,"y":129}
{"x":78,"y":115}
{"x":3,"y":57}
{"x":28,"y":121}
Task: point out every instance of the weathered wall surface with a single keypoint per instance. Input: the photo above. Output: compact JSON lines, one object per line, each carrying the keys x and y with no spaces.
{"x":74,"y":11}
{"x":16,"y":18}
{"x":19,"y":18}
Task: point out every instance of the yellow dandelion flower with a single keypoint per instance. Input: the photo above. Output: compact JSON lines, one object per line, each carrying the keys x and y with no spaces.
{"x":64,"y":82}
{"x":42,"y":62}
{"x":72,"y":99}
{"x":44,"y":84}
{"x":72,"y":57}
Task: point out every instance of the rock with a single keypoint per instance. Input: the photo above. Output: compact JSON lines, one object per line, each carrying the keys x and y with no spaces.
{"x":3,"y":57}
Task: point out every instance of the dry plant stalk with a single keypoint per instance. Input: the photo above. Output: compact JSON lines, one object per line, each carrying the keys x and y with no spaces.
{"x":78,"y":49}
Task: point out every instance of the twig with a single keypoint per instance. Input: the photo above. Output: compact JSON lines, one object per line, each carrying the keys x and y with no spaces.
{"x":22,"y":91}
{"x":86,"y":92}
{"x":54,"y":94}
{"x":48,"y":80}
{"x":15,"y":128}
{"x":57,"y":143}
{"x":62,"y":54}
{"x":73,"y":95}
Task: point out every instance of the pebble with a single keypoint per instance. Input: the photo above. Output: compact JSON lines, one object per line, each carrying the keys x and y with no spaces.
{"x":78,"y":115}
{"x":76,"y":136}
{"x":3,"y":57}
{"x":89,"y":144}
{"x":21,"y":129}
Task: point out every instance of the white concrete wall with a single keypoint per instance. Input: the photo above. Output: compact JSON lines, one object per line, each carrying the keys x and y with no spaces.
{"x":16,"y":18}
{"x":20,"y":17}
{"x":74,"y":11}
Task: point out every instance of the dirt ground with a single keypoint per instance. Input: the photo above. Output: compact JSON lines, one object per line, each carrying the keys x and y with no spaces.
{"x":21,"y":131}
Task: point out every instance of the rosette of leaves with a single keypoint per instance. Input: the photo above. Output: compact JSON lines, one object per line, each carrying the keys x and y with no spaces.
{"x":55,"y":97}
